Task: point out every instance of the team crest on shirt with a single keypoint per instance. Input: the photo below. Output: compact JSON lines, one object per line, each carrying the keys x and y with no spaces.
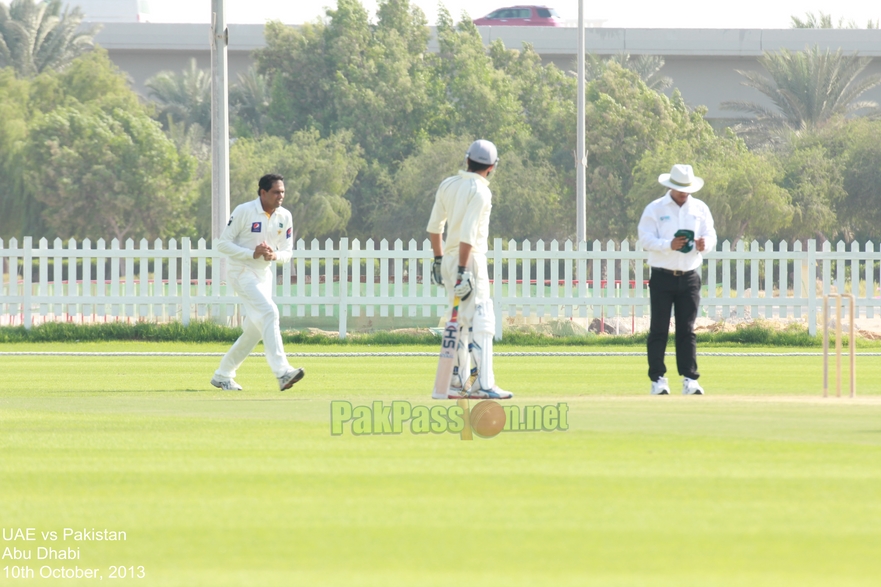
{"x":256,"y":226}
{"x":663,"y":218}
{"x":290,"y":232}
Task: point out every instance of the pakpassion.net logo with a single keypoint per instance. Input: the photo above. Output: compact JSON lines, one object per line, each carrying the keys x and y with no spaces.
{"x":486,"y":418}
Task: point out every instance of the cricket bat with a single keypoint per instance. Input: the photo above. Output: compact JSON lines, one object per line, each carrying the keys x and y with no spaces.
{"x":449,"y":346}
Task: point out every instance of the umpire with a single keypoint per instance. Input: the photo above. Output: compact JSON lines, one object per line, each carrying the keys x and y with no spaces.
{"x":675,"y":229}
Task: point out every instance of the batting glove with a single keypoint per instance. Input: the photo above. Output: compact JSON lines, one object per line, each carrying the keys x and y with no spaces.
{"x":464,"y":287}
{"x":436,"y":277}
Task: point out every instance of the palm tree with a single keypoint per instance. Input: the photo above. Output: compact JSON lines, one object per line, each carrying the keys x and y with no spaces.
{"x":824,"y":21}
{"x":647,"y":67}
{"x":35,"y":36}
{"x":250,"y":100}
{"x":183,"y":97}
{"x":808,"y":88}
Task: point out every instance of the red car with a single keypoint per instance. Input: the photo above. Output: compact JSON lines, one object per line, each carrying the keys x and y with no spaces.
{"x":521,"y":16}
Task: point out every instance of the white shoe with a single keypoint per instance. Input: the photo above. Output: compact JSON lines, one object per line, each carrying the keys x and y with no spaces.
{"x":660,"y":387}
{"x":495,"y":392}
{"x":451,"y":394}
{"x":691,"y":387}
{"x":225,"y":384}
{"x":287,"y":380}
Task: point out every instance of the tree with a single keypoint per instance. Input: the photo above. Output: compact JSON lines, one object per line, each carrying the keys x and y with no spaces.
{"x":90,"y":81}
{"x":742,"y":187}
{"x":647,"y":67}
{"x":318,"y":172}
{"x":853,"y":147}
{"x":19,"y":216}
{"x":824,"y":21}
{"x":183,"y":97}
{"x":547,"y":102}
{"x":625,"y":120}
{"x":349,"y":75}
{"x":808,"y":89}
{"x":474,"y":98}
{"x":249,"y":101}
{"x":815,"y":182}
{"x":406,"y":198}
{"x":99,"y":173}
{"x":40,"y":36}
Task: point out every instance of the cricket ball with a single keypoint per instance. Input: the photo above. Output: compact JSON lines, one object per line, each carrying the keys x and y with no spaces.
{"x":487,"y":418}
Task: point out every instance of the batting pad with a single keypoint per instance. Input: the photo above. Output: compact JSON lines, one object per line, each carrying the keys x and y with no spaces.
{"x":482,"y":343}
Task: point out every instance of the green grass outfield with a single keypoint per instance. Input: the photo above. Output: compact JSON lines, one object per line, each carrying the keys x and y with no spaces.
{"x":761,"y":482}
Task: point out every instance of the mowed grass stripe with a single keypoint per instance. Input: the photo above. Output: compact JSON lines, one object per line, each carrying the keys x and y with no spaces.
{"x":742,"y":487}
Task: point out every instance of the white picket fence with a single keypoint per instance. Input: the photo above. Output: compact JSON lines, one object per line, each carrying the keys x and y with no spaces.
{"x":173,"y":281}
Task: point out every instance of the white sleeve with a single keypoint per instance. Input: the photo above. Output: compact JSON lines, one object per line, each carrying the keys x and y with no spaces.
{"x":285,"y":247}
{"x":649,"y":238}
{"x":470,"y":229}
{"x":709,"y":232}
{"x":438,"y":215}
{"x":226,"y":243}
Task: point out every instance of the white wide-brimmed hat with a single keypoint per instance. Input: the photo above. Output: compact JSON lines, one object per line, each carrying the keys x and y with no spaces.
{"x":681,"y":178}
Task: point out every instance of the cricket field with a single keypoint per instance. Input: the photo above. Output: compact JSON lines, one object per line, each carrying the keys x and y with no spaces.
{"x":134,"y":469}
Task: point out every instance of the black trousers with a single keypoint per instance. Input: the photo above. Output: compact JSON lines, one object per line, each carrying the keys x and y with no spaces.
{"x":682,"y":294}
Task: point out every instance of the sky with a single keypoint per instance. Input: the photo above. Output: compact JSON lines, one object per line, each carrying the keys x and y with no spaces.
{"x":626,"y":14}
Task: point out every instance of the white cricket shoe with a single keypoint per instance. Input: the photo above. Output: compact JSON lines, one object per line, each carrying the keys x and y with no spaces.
{"x":660,"y":387}
{"x":225,"y":384}
{"x":287,"y":380}
{"x":495,"y":393}
{"x":691,"y":387}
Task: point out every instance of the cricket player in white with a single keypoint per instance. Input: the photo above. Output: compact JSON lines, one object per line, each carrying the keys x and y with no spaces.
{"x":462,"y":204}
{"x":259,"y":233}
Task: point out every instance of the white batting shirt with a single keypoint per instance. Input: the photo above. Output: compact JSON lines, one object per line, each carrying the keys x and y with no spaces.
{"x":462,"y":204}
{"x":249,"y":226}
{"x":659,"y":223}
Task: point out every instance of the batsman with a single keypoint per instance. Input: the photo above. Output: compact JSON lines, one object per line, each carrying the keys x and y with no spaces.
{"x":462,"y":205}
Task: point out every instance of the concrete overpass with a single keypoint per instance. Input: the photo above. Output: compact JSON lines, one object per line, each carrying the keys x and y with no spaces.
{"x":701,"y":62}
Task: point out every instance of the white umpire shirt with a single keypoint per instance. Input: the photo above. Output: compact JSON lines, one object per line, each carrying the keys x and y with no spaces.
{"x":659,"y":223}
{"x":463,"y":204}
{"x":249,"y":226}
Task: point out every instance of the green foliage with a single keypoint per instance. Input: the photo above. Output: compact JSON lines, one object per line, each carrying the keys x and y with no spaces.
{"x":406,"y":199}
{"x":19,"y":215}
{"x":530,"y":200}
{"x":109,"y":173}
{"x":855,"y":148}
{"x":647,"y":67}
{"x":40,"y":36}
{"x":81,"y":158}
{"x":815,"y":183}
{"x":756,"y":334}
{"x":349,"y":75}
{"x":318,"y":172}
{"x":824,"y":21}
{"x":808,"y":88}
{"x":478,"y":100}
{"x":249,"y":104}
{"x":183,"y":97}
{"x":626,"y":120}
{"x":741,"y":186}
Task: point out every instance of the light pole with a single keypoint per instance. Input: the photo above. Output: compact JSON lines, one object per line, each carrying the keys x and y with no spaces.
{"x":219,"y":126}
{"x":581,"y":155}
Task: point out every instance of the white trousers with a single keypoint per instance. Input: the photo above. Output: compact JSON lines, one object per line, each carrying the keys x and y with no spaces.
{"x":261,"y":322}
{"x":476,"y":320}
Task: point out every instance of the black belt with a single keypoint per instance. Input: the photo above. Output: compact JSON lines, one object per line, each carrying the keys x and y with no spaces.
{"x":675,"y":272}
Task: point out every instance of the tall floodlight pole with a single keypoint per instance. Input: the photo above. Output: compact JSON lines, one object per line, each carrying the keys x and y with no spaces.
{"x":219,"y":124}
{"x":581,"y":156}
